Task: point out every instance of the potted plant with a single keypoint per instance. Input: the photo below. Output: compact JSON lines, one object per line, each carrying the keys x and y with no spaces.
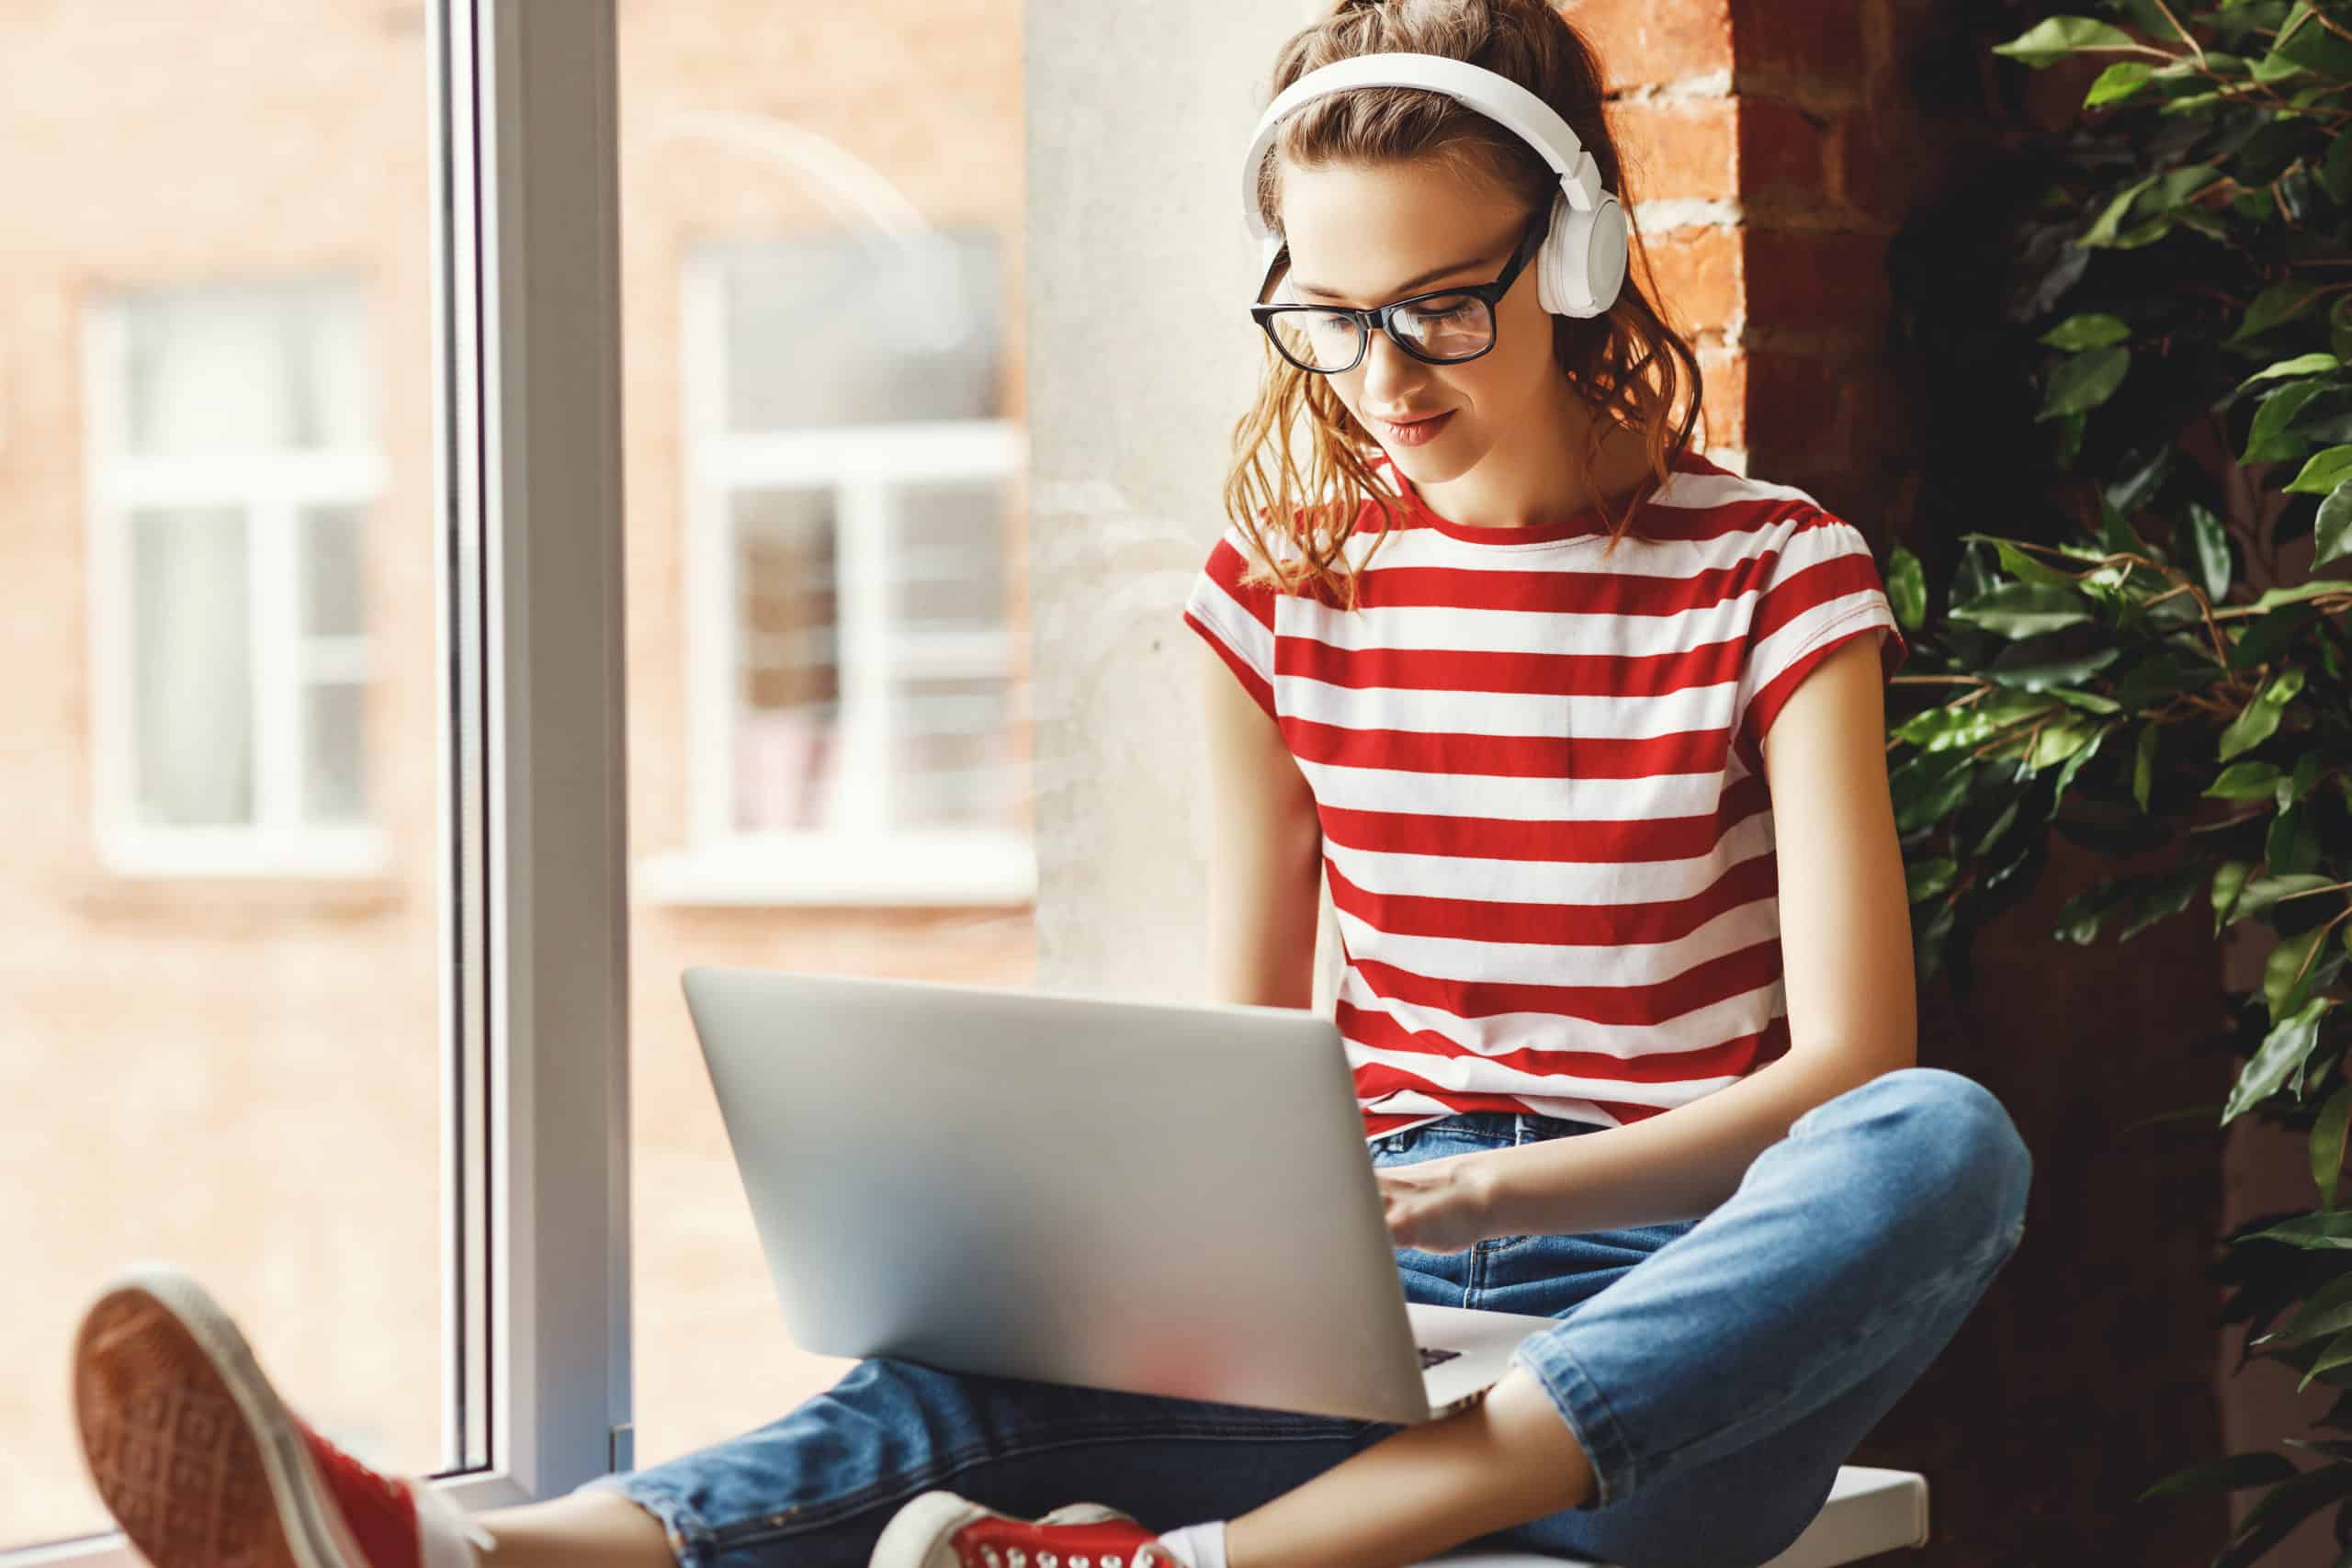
{"x":2150,"y":654}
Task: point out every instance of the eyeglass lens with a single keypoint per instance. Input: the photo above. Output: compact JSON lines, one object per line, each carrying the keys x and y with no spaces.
{"x":1446,"y":326}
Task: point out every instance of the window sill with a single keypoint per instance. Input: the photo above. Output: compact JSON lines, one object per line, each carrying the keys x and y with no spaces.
{"x":896,"y":870}
{"x":243,"y":854}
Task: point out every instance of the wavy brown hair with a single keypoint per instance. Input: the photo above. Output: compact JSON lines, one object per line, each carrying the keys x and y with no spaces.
{"x":1628,"y":363}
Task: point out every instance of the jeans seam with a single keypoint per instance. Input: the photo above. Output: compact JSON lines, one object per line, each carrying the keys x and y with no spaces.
{"x":691,"y":1537}
{"x":1610,"y":1432}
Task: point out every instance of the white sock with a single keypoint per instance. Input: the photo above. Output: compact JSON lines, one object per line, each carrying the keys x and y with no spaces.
{"x":1201,"y":1545}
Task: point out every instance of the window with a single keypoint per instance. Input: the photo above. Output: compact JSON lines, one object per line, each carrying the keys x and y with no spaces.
{"x":851,"y":668}
{"x":232,"y":462}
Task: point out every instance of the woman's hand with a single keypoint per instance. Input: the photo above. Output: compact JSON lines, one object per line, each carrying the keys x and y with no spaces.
{"x":1435,"y":1205}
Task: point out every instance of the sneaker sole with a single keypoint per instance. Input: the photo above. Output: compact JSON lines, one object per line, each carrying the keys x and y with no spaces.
{"x":918,"y":1534}
{"x":190,"y":1447}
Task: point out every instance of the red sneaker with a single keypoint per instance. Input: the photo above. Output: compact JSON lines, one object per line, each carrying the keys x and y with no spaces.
{"x":940,"y":1529}
{"x":204,"y":1467}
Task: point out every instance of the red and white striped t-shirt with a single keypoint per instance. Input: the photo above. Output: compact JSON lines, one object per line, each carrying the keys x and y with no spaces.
{"x":1545,"y":826}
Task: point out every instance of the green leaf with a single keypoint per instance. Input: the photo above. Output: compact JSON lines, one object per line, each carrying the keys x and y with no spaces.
{"x":2297,"y":785}
{"x":2089,"y":701}
{"x":2023,"y":609}
{"x":2301,"y":365}
{"x":2311,"y":46}
{"x":2317,"y":1315}
{"x":2279,"y":302}
{"x":2229,"y":881}
{"x":2325,"y":470}
{"x":2270,"y":439}
{"x":2084,"y":381}
{"x":2338,"y":1352}
{"x":2281,"y":1052}
{"x":1906,"y":587}
{"x":2335,"y":168}
{"x":2080,"y":916}
{"x":2259,"y":719}
{"x":2110,"y":219}
{"x":2328,"y":1232}
{"x":2056,"y":741}
{"x":1930,"y":877}
{"x":2042,"y":675}
{"x":2314,"y":589}
{"x":2210,"y":551}
{"x":2234,"y":1474}
{"x":2292,"y":844}
{"x":2025,"y":567}
{"x":2244,"y":780}
{"x":2118,"y":81}
{"x":2094,"y":330}
{"x":2143,"y":762}
{"x":2331,"y":529}
{"x":2264,"y":891}
{"x":2053,"y":39}
{"x":2289,"y":971}
{"x":2327,"y":1145}
{"x":2161,"y":899}
{"x":1927,"y":787}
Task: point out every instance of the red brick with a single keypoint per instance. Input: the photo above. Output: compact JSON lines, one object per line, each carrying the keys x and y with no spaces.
{"x":1697,"y":273}
{"x":1796,"y":408}
{"x":1782,"y":155}
{"x":1724,"y":406}
{"x":1816,"y":42}
{"x":1833,"y":285}
{"x":1645,"y":41}
{"x":1678,"y":149}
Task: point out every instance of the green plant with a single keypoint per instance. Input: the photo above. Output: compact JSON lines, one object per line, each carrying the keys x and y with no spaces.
{"x":2151,"y":657}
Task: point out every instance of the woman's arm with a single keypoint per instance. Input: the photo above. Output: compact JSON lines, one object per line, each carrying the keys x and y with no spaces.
{"x":1265,"y":852}
{"x":1845,"y":960}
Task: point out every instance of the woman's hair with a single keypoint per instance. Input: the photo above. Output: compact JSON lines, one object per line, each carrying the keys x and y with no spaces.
{"x":1627,"y":363}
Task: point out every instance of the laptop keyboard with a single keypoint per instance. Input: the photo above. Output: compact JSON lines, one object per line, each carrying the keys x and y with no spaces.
{"x":1430,"y":1358}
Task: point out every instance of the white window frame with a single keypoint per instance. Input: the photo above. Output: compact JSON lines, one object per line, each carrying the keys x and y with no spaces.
{"x":535,"y":905}
{"x":270,"y":490}
{"x":859,"y":862}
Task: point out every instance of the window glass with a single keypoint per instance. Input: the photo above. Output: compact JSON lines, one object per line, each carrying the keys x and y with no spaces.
{"x":220,"y":1019}
{"x":828,"y":741}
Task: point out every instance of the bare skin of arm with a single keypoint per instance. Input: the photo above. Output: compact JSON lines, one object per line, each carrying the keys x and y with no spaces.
{"x":1265,"y":852}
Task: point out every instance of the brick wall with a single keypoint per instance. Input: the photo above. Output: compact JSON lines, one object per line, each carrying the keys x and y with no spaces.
{"x":1776,"y":148}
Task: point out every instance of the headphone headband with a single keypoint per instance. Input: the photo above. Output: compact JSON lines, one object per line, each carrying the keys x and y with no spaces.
{"x":1495,"y":96}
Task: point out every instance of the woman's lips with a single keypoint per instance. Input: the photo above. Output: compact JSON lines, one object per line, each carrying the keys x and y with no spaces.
{"x":1417,"y":431}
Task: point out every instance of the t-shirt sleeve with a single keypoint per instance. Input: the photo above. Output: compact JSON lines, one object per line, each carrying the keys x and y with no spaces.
{"x":1821,"y":590}
{"x":1236,"y":618}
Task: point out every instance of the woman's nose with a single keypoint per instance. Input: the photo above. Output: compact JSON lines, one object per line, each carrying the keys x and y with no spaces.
{"x":1389,"y":374}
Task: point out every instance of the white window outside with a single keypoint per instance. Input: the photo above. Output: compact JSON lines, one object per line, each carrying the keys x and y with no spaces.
{"x":853,"y":687}
{"x":233,"y":463}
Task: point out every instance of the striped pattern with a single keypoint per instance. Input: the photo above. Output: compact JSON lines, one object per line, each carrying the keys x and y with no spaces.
{"x":1545,"y":826}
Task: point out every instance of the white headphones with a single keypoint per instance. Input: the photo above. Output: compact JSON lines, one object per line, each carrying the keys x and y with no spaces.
{"x":1582,"y":263}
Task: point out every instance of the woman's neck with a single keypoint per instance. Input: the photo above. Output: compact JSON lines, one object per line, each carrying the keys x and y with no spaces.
{"x":1545,"y":478}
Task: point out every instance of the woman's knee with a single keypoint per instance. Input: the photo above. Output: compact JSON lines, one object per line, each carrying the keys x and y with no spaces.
{"x":1947,"y":1144}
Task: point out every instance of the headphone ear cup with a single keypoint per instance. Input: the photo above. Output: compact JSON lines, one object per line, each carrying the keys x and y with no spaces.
{"x":1582,"y":264}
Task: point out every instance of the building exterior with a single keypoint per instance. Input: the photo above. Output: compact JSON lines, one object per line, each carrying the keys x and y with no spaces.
{"x":218,"y":1022}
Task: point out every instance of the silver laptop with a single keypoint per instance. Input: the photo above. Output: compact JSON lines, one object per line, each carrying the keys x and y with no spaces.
{"x":1124,"y":1195}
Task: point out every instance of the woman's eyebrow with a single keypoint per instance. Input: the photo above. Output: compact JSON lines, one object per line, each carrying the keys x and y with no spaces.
{"x":1403,"y":288}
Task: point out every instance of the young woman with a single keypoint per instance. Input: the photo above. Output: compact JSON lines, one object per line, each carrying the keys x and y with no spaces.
{"x":1585,"y":731}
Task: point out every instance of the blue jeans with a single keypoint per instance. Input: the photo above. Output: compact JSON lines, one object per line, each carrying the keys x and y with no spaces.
{"x":1718,"y":1372}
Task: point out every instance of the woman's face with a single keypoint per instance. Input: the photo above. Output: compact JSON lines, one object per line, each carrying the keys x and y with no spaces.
{"x":1365,"y":236}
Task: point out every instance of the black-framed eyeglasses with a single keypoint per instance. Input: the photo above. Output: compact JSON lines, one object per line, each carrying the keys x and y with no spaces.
{"x":1444,"y":326}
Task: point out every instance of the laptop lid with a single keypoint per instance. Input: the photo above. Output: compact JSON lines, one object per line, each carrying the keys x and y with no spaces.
{"x":1141,"y":1196}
